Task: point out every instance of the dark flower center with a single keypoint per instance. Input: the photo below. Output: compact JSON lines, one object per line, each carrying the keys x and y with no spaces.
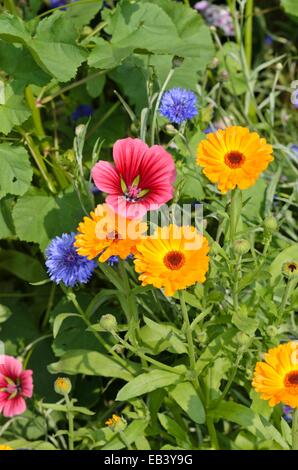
{"x":174,"y":260}
{"x":291,"y":379}
{"x":234,"y":159}
{"x":292,"y":267}
{"x":132,"y":194}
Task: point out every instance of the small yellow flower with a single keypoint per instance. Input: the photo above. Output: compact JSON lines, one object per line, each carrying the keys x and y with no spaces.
{"x":276,"y":378}
{"x":233,"y":157}
{"x":290,"y":269}
{"x":62,"y":386}
{"x":116,"y":423}
{"x":5,"y":447}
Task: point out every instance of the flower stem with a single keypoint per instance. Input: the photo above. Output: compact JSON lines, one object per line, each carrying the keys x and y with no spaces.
{"x":234,"y":215}
{"x":153,"y":125}
{"x":236,"y":283}
{"x":125,"y":441}
{"x":248,"y":31}
{"x":295,"y":430}
{"x":191,"y":348}
{"x":70,"y":423}
{"x":285,"y":297}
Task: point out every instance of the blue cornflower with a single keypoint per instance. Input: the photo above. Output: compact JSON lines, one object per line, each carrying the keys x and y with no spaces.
{"x":83,"y":110}
{"x":294,"y":149}
{"x":57,"y":3}
{"x":288,"y":413}
{"x":268,"y":41}
{"x":178,"y":105}
{"x":113,"y":260}
{"x":65,"y":264}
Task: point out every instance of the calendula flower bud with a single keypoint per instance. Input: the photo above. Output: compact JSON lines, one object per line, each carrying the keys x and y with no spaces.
{"x":270,"y":224}
{"x":116,"y":423}
{"x":241,"y":246}
{"x":86,"y":31}
{"x":108,"y":322}
{"x":243,"y":339}
{"x":271,"y":331}
{"x":79,"y":129}
{"x":290,"y":269}
{"x":62,"y":386}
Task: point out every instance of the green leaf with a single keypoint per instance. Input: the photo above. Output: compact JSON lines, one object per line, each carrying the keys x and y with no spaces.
{"x":80,"y":361}
{"x":53,"y":47}
{"x":229,"y":57}
{"x":106,"y":56}
{"x":174,"y":430}
{"x":22,"y":265}
{"x":13,"y":110}
{"x":186,"y":396}
{"x":39,"y":217}
{"x":243,"y":322}
{"x":146,"y":383}
{"x":290,"y":7}
{"x":132,"y":432}
{"x":95,"y":85}
{"x":18,"y":63}
{"x":60,"y":319}
{"x":255,"y":196}
{"x":5,"y":313}
{"x":82,"y":13}
{"x":15,"y":170}
{"x":6,"y":223}
{"x":74,"y":409}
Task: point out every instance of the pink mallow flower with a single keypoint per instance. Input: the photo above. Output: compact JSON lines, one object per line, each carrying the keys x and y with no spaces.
{"x":140,"y":180}
{"x":15,"y":384}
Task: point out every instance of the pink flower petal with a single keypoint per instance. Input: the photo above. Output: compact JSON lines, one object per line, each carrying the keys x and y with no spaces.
{"x":11,"y":367}
{"x":106,"y":178}
{"x":13,"y":407}
{"x":128,"y":155}
{"x":157,"y":169}
{"x":27,"y":383}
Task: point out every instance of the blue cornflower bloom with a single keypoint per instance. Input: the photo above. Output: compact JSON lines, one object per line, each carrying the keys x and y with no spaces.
{"x":288,"y":413}
{"x":65,"y":264}
{"x":113,"y":260}
{"x":294,"y":149}
{"x":57,"y":3}
{"x":178,"y":105}
{"x":268,"y":41}
{"x":83,"y":110}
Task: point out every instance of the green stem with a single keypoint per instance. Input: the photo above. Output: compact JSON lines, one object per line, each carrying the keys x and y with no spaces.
{"x":236,"y":283}
{"x":212,"y":433}
{"x":248,"y":31}
{"x":142,"y":355}
{"x":125,"y":441}
{"x":39,"y":130}
{"x":285,"y":297}
{"x":70,"y":418}
{"x":234,"y":214}
{"x":191,"y":348}
{"x":104,"y":118}
{"x":295,"y":430}
{"x":38,"y":160}
{"x":10,"y":6}
{"x":49,"y":306}
{"x":153,"y":125}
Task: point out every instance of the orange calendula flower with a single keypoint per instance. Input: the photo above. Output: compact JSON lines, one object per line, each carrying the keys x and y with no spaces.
{"x":5,"y":447}
{"x":276,"y":379}
{"x":107,"y":234}
{"x":117,"y":423}
{"x":234,"y":157}
{"x":172,"y":258}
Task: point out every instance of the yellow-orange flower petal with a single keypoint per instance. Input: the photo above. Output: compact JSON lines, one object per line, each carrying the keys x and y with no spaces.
{"x":172,"y":258}
{"x":276,"y":379}
{"x":233,"y":157}
{"x":107,"y":234}
{"x":5,"y":447}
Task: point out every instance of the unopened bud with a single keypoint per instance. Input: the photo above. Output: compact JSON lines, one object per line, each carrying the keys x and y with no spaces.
{"x":243,"y":339}
{"x":241,"y":246}
{"x":170,"y":129}
{"x":62,"y":386}
{"x":279,"y":66}
{"x":214,"y":63}
{"x":271,"y":331}
{"x":108,"y":322}
{"x":80,"y":129}
{"x":270,"y":223}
